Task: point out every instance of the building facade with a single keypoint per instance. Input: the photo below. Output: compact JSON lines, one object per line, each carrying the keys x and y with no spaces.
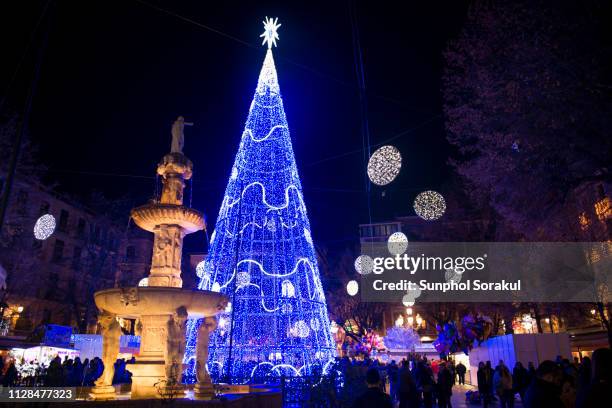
{"x":53,"y":280}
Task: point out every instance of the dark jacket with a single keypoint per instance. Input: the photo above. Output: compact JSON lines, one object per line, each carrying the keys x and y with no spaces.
{"x":542,"y":394}
{"x":373,"y":397}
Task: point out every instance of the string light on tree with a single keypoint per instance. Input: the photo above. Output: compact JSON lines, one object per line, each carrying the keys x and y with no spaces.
{"x":397,"y":243}
{"x":384,"y":165}
{"x":429,"y":205}
{"x":44,"y":227}
{"x":278,"y":306}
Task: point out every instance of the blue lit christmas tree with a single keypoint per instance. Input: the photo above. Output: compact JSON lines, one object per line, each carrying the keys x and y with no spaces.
{"x":262,"y":256}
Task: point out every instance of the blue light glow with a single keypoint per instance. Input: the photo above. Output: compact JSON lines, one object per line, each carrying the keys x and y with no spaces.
{"x":262,"y":256}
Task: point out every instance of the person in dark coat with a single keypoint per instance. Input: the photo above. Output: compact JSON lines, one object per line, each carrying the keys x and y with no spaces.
{"x":425,"y":383}
{"x":408,"y":395}
{"x":373,"y":396}
{"x":445,"y":386}
{"x":485,"y":382}
{"x":545,"y":390}
{"x":601,"y":383}
{"x":461,"y":370}
{"x":10,"y":377}
{"x":393,"y":375}
{"x":520,"y":379}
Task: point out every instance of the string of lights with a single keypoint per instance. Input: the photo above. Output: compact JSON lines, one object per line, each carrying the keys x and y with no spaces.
{"x":280,"y":322}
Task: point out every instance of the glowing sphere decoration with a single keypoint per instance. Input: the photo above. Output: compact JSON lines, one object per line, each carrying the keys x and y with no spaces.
{"x":397,"y":243}
{"x":243,"y":278}
{"x":364,"y":264}
{"x":429,"y":205}
{"x":352,"y":287}
{"x":384,"y":165}
{"x":200,"y":269}
{"x":44,"y":227}
{"x":302,"y":329}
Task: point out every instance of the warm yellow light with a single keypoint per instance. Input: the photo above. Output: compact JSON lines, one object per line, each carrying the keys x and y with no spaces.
{"x":547,"y":320}
{"x":410,"y":320}
{"x":592,"y":311}
{"x":419,"y":320}
{"x":19,"y":309}
{"x":409,"y":311}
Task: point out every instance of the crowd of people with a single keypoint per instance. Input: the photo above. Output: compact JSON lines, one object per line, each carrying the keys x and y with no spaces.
{"x":58,"y":373}
{"x":417,"y":382}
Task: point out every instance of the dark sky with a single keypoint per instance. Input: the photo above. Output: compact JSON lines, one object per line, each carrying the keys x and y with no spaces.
{"x":116,"y":74}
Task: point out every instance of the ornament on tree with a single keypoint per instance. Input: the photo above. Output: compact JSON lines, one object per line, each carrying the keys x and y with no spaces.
{"x":384,"y":165}
{"x":429,"y":205}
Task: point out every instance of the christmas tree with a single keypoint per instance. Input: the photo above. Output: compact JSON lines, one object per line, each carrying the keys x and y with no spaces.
{"x":261,"y":254}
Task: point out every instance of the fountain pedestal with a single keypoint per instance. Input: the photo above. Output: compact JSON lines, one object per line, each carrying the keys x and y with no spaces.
{"x":162,"y":307}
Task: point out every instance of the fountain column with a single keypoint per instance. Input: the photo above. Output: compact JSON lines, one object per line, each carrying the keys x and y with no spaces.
{"x":162,"y":307}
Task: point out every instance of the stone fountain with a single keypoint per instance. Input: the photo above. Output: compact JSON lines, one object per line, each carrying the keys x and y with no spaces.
{"x":162,"y":307}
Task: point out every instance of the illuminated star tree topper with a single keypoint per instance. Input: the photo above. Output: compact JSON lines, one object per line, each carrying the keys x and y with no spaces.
{"x":270,"y":35}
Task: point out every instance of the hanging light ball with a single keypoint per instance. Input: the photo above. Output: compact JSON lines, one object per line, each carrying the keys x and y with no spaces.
{"x":429,"y":205}
{"x":352,"y":287}
{"x":384,"y":165}
{"x":397,"y":243}
{"x":44,"y":227}
{"x":364,"y":264}
{"x":451,"y":276}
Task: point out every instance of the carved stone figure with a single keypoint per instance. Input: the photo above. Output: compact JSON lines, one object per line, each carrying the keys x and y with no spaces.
{"x":178,"y":137}
{"x":110,"y":331}
{"x":175,"y":342}
{"x":208,"y":325}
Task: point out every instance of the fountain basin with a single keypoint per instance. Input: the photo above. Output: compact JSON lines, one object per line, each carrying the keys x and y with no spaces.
{"x":159,"y":300}
{"x":150,"y":216}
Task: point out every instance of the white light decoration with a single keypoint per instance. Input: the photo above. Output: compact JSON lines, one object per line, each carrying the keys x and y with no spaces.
{"x":397,"y":243}
{"x":384,"y":165}
{"x":201,"y":269}
{"x":243,"y":278}
{"x":429,"y":205}
{"x":352,"y":287}
{"x":234,"y":175}
{"x":270,"y":35}
{"x":228,"y":308}
{"x":44,"y":227}
{"x":307,"y":236}
{"x":315,"y":324}
{"x":286,"y":308}
{"x":287,"y":289}
{"x":271,"y":225}
{"x":143,"y":282}
{"x":301,"y":329}
{"x":216,"y":287}
{"x":451,"y":276}
{"x":364,"y":264}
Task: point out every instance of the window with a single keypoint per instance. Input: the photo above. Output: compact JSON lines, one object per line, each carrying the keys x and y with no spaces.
{"x":63,"y":221}
{"x":76,"y":257}
{"x":58,"y":251}
{"x":81,"y":228}
{"x":130,"y":252}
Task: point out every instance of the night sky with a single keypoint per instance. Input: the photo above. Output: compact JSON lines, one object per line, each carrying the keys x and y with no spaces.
{"x":116,"y":74}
